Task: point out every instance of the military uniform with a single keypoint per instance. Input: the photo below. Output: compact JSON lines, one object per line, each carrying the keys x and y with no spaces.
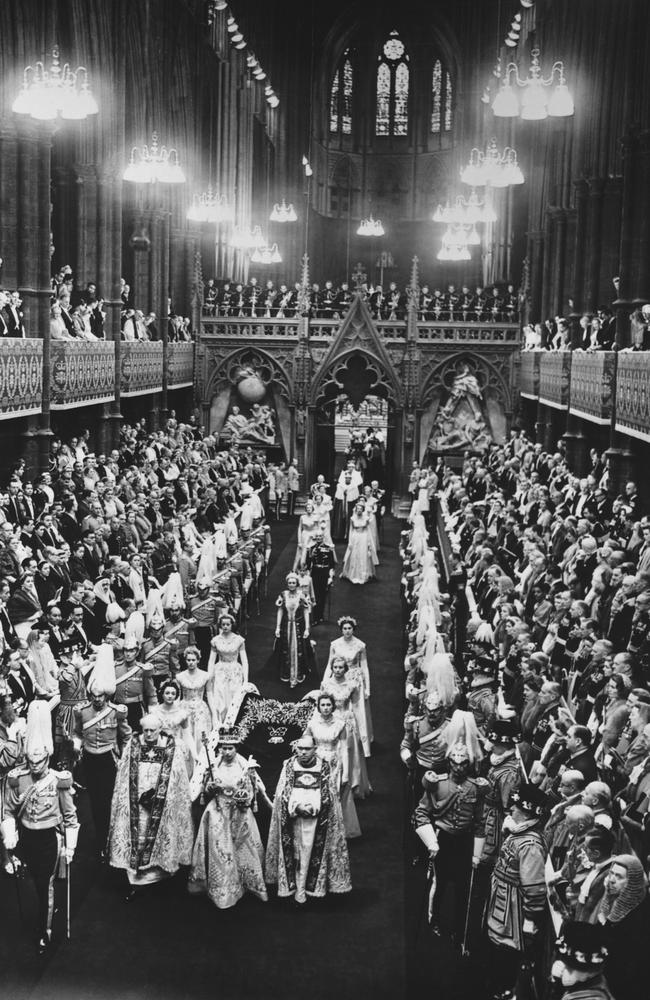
{"x":320,"y":563}
{"x":482,"y":703}
{"x":179,"y":632}
{"x":517,"y":894}
{"x":100,"y":734}
{"x":204,"y":610}
{"x":38,"y":810}
{"x":134,"y":689}
{"x":425,"y":745}
{"x":503,"y":777}
{"x":159,"y":654}
{"x":456,"y":811}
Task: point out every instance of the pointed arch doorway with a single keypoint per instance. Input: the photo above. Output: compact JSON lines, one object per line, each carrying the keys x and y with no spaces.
{"x":355,"y":417}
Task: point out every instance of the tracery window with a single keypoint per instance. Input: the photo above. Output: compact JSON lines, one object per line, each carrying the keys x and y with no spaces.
{"x":442,"y":98}
{"x":341,"y":97}
{"x":393,"y":80}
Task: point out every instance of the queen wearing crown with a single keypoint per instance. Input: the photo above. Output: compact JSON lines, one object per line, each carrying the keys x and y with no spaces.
{"x":228,"y":857}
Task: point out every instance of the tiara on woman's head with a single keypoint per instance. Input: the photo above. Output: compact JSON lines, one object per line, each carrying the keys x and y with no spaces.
{"x":347,"y":620}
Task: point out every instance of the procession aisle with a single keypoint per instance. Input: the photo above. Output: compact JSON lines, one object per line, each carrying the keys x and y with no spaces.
{"x":168,"y":946}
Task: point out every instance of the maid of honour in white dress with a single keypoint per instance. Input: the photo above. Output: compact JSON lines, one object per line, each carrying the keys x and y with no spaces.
{"x":361,"y":554}
{"x":353,"y":651}
{"x":227,"y":669}
{"x":193,"y":683}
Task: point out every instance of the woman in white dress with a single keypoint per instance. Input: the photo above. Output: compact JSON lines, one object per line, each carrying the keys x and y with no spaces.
{"x":361,"y":554}
{"x":228,"y":857}
{"x":353,"y":651}
{"x":322,"y":511}
{"x":329,"y":733}
{"x":308,"y":525}
{"x":342,"y":690}
{"x":174,"y":719}
{"x":371,"y":506}
{"x":227,"y":668}
{"x":193,"y":683}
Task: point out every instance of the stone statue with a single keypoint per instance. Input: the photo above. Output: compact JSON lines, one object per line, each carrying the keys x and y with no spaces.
{"x":460,"y":423}
{"x":235,"y":426}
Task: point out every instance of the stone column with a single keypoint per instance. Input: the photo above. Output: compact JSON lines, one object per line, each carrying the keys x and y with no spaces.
{"x":622,"y":465}
{"x":594,"y":238}
{"x":89,"y":236}
{"x":559,"y":255}
{"x":536,"y":255}
{"x":577,"y":446}
{"x":109,"y":272}
{"x":33,"y":255}
{"x":580,"y":245}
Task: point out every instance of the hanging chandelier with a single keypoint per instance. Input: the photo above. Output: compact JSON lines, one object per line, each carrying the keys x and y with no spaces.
{"x":498,"y":170}
{"x":59,"y":90}
{"x":154,"y":163}
{"x":210,"y":207}
{"x":532,"y":99}
{"x":370,"y":227}
{"x":455,"y":244}
{"x":266,"y":255}
{"x":465,"y":211}
{"x":283,"y":213}
{"x":247,"y":239}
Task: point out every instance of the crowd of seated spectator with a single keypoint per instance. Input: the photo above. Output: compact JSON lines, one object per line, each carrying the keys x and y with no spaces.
{"x":552,"y":635}
{"x":78,"y":314}
{"x":498,"y":304}
{"x":592,"y":332}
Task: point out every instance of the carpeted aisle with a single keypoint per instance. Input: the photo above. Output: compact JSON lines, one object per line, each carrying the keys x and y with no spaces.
{"x":168,"y":946}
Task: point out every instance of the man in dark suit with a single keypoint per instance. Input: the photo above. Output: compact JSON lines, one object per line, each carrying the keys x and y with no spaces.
{"x":6,"y":625}
{"x":75,"y":630}
{"x":581,"y":758}
{"x":93,"y":623}
{"x":68,"y":524}
{"x":55,"y":634}
{"x":4,"y":301}
{"x":14,"y":511}
{"x":21,"y":684}
{"x":66,"y":316}
{"x":14,"y":317}
{"x":91,"y":556}
{"x":48,"y":534}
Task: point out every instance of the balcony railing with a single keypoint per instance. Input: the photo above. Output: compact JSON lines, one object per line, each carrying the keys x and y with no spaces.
{"x":554,"y":379}
{"x":246,"y":327}
{"x":21,"y":377}
{"x":529,"y":374}
{"x":81,"y":373}
{"x":180,"y":365}
{"x":141,"y":368}
{"x":592,"y":385}
{"x":633,"y":395}
{"x":588,"y":383}
{"x":482,"y":333}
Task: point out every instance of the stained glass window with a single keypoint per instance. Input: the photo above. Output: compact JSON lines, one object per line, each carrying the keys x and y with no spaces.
{"x":442,"y":99}
{"x":393,"y":78}
{"x":341,"y":96}
{"x":436,"y":96}
{"x":346,"y":110}
{"x":334,"y":104}
{"x":448,"y":103}
{"x":383,"y":99}
{"x":401,"y":116}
